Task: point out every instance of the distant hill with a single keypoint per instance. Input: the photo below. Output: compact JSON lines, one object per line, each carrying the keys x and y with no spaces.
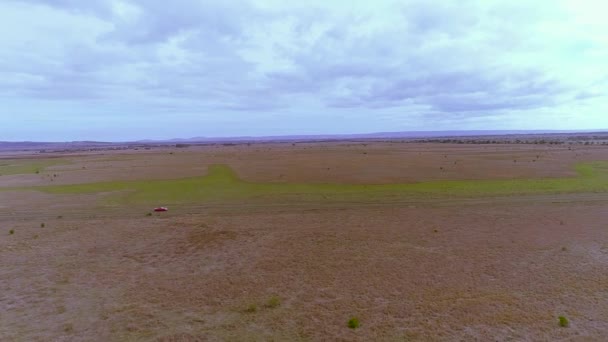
{"x":378,"y":135}
{"x":410,"y":135}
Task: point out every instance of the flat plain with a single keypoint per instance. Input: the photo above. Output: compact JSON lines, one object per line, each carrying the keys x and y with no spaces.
{"x":289,"y":241}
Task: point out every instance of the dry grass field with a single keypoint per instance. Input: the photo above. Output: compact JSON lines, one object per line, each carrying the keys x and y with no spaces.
{"x":288,"y":242}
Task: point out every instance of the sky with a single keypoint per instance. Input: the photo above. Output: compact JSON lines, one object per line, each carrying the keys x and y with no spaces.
{"x":118,"y":70}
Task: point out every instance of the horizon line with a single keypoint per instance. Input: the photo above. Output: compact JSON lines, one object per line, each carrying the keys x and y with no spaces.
{"x":414,"y":134}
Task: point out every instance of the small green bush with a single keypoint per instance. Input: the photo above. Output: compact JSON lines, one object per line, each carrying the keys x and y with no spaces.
{"x":251,"y":308}
{"x":42,"y":225}
{"x":11,"y":232}
{"x":353,"y":323}
{"x":563,"y":321}
{"x":149,"y":214}
{"x":273,"y":302}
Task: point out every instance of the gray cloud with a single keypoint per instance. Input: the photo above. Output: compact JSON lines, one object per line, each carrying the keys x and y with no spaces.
{"x":248,"y":58}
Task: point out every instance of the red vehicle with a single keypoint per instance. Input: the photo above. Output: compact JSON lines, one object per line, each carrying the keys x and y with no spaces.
{"x":161,"y":209}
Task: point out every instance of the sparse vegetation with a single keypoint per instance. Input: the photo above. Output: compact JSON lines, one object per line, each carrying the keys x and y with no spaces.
{"x":273,"y":302}
{"x":11,"y":232}
{"x":68,"y":327}
{"x":276,"y":259}
{"x":223,"y":183}
{"x":42,"y":225}
{"x":354,"y":323}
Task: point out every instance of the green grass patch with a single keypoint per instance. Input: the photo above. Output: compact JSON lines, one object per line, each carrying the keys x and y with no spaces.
{"x":563,"y":321}
{"x":354,"y":323}
{"x":27,"y":166}
{"x":222,"y":184}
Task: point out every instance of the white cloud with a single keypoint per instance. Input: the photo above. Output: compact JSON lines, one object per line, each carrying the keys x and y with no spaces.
{"x":383,"y":65}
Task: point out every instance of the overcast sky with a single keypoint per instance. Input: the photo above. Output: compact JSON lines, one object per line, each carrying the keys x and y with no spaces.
{"x":122,"y":70}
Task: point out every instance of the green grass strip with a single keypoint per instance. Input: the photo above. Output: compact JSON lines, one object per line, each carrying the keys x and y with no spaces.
{"x":222,"y":183}
{"x":25,"y":166}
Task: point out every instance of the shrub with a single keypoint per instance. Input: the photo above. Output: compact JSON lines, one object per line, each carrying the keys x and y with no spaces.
{"x":68,"y":328}
{"x":563,"y":321}
{"x":273,"y":302}
{"x":251,"y":308}
{"x":42,"y":225}
{"x":11,"y":232}
{"x":353,"y":323}
{"x":149,"y":214}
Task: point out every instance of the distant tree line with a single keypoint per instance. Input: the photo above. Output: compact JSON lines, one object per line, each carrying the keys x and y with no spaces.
{"x":511,"y":141}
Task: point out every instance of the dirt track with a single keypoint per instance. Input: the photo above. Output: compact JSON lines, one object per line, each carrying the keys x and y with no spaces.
{"x":491,"y":269}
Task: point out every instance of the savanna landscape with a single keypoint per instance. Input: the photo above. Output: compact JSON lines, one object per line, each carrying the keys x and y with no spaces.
{"x":262,"y":170}
{"x":306,"y":241}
